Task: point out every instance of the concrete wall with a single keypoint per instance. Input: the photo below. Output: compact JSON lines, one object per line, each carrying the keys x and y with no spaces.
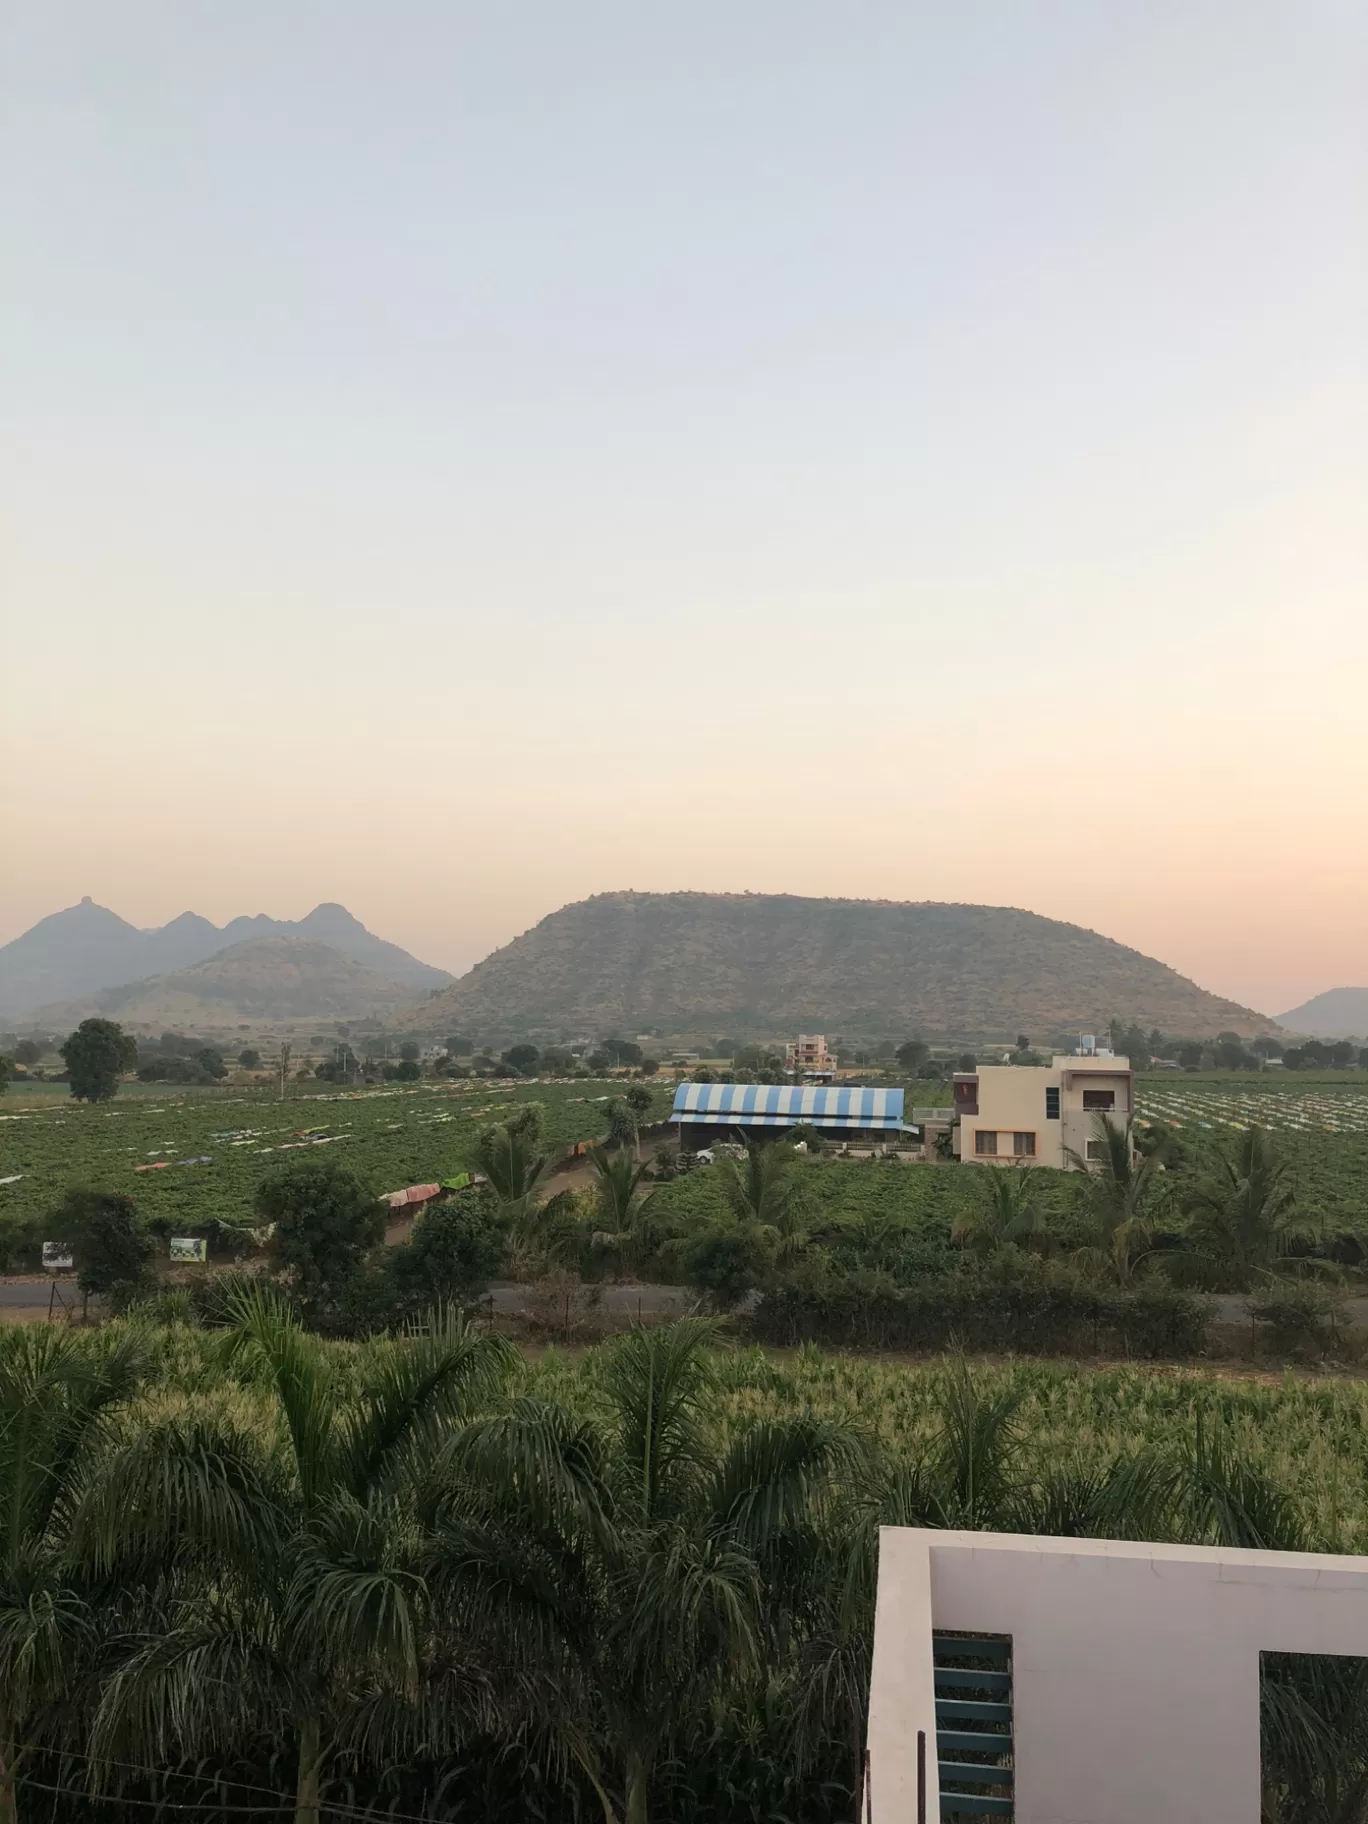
{"x":1136,"y":1667}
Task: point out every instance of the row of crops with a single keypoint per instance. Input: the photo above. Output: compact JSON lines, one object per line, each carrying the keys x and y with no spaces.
{"x":198,"y":1159}
{"x":1327,"y":1110}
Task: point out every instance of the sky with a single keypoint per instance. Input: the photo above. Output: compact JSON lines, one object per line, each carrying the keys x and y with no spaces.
{"x":461,"y":458}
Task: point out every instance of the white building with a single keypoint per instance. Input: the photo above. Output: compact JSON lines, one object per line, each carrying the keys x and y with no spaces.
{"x":1086,"y":1681}
{"x":1023,"y":1114}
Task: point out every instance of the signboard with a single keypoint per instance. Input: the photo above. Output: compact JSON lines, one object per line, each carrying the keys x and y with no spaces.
{"x":57,"y":1257}
{"x":189,"y":1247}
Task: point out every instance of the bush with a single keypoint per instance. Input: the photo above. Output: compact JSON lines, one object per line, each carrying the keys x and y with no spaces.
{"x":1021,"y":1307}
{"x":1302,"y":1321}
{"x":724,"y":1265}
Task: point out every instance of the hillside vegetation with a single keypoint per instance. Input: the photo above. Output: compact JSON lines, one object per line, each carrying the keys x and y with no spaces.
{"x":759,"y":962}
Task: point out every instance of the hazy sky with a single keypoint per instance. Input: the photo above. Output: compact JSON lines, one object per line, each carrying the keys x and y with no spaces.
{"x":458,"y":458}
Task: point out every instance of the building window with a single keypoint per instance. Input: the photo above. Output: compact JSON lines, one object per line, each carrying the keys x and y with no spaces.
{"x":1097,"y":1152}
{"x":1023,"y":1146}
{"x":985,"y":1142}
{"x":1099,"y":1098}
{"x":1052,"y":1104}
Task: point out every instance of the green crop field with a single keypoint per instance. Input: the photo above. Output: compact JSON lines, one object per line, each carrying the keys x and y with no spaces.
{"x":197,"y":1158}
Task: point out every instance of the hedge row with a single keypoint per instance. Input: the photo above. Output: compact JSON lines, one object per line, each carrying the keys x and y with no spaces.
{"x":1065,"y":1317}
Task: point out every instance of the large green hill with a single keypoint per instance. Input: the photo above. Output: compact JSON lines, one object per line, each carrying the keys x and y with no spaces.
{"x":769,"y":963}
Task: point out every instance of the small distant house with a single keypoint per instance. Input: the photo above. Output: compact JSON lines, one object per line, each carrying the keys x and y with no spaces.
{"x":1021,"y":1114}
{"x":807,"y":1056}
{"x":708,"y":1112}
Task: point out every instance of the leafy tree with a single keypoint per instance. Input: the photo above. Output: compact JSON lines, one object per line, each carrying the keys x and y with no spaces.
{"x":286,"y":1565}
{"x":636,"y":1552}
{"x":1241,"y":1212}
{"x":459,"y":1047}
{"x":6,"y":1072}
{"x":410,"y":1071}
{"x":913,"y":1053}
{"x":1189,"y":1055}
{"x":457,"y":1247}
{"x":327,"y":1221}
{"x":522,"y":1058}
{"x":621,"y":1051}
{"x":27,"y":1052}
{"x":1007,"y":1213}
{"x":649,"y":1066}
{"x":1023,"y":1042}
{"x":249,"y":1058}
{"x":1230,"y":1053}
{"x":58,"y":1389}
{"x":703,"y":1075}
{"x":621,"y":1124}
{"x":556,"y":1061}
{"x":211,"y":1062}
{"x":96,"y":1056}
{"x":966,"y":1061}
{"x":112,"y":1249}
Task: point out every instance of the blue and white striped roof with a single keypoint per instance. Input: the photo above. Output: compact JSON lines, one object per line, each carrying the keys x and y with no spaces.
{"x":783,"y":1105}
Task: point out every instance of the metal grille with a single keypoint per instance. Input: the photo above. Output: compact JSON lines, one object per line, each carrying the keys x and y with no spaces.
{"x":973,"y":1675}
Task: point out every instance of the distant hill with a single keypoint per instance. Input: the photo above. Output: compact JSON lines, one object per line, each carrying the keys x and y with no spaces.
{"x":87,"y":948}
{"x":1339,"y":1013}
{"x":263,"y":979}
{"x":770,"y":963}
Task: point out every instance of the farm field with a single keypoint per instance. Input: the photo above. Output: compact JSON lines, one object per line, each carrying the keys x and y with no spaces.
{"x":197,"y":1159}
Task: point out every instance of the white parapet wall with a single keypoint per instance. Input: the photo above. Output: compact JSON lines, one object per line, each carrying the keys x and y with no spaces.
{"x":1135,"y":1667}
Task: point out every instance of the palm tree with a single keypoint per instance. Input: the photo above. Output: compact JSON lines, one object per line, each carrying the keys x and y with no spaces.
{"x":509,"y":1159}
{"x":766,"y":1193}
{"x":1121,"y":1191}
{"x":1241,"y":1211}
{"x":1008,"y":1215}
{"x":621,"y":1568}
{"x":972,"y":1475}
{"x":279,"y":1568}
{"x":58,"y":1389}
{"x":619,"y":1178}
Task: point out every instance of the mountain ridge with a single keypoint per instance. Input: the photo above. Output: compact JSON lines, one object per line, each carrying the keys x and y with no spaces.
{"x":767,"y":963}
{"x":84,"y":949}
{"x":269,"y":978}
{"x":1338,"y":1013}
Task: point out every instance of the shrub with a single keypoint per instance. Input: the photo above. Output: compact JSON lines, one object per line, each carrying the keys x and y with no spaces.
{"x":1302,"y":1321}
{"x":1021,"y":1307}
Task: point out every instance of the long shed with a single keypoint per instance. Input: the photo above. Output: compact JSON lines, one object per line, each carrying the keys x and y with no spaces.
{"x":706,"y":1111}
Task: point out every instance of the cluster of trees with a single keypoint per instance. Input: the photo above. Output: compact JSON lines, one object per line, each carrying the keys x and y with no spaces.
{"x":175,"y":1059}
{"x":393,"y":1579}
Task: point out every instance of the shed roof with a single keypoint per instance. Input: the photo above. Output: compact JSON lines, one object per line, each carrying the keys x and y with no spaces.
{"x":783,"y":1105}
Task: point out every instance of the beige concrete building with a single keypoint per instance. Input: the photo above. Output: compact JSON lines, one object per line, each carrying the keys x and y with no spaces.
{"x":1011,"y":1114}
